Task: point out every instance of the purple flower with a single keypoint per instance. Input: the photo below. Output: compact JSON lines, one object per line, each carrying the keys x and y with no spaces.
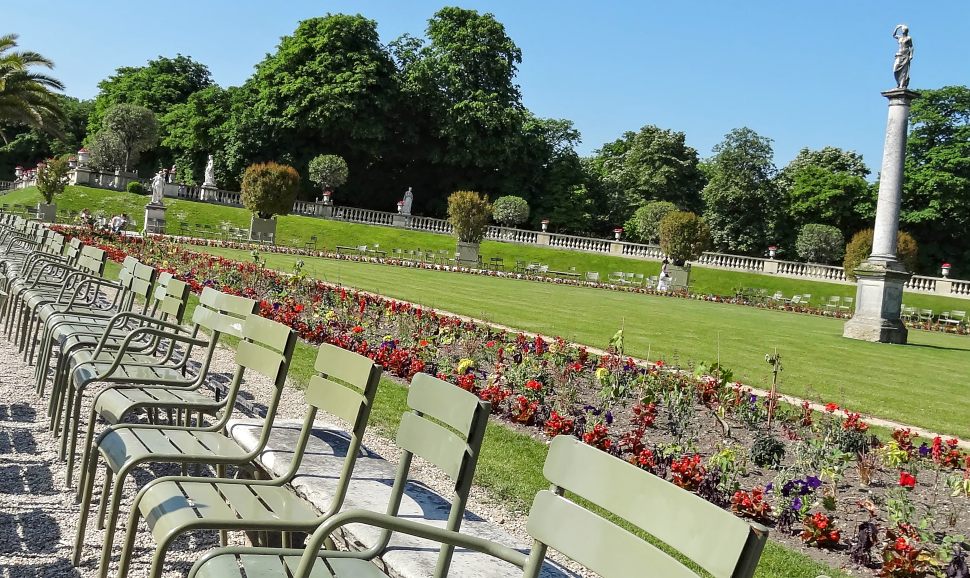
{"x":609,"y":418}
{"x":796,"y":504}
{"x":924,"y":450}
{"x":813,"y":482}
{"x":769,"y":487}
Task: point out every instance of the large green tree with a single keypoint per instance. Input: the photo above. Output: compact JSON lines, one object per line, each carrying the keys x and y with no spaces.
{"x":936,"y":194}
{"x":743,"y":207}
{"x":652,"y":164}
{"x":134,"y":127}
{"x":197,"y":128}
{"x":460,"y":101}
{"x":327,"y":87}
{"x":27,"y":145}
{"x":26,"y":97}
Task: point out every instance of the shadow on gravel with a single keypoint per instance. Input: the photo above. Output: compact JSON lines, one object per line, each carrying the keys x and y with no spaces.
{"x":60,"y":567}
{"x":17,"y":440}
{"x":18,"y":412}
{"x":34,"y":532}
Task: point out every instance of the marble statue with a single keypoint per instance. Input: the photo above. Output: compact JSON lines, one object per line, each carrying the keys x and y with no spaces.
{"x":904,"y":55}
{"x":210,"y":173}
{"x":158,"y":188}
{"x":408,"y":199}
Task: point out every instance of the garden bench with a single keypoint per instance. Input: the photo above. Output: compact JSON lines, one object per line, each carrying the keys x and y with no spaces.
{"x":341,"y":249}
{"x":954,"y":318}
{"x":572,"y":274}
{"x":369,"y":489}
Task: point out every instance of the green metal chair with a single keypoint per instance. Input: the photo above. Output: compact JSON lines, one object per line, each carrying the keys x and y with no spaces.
{"x":217,"y":313}
{"x":453,"y":447}
{"x":266,"y":348}
{"x":718,"y":542}
{"x":172,"y":505}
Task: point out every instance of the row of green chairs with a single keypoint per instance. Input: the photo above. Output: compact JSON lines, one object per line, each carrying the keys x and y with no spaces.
{"x":444,"y":425}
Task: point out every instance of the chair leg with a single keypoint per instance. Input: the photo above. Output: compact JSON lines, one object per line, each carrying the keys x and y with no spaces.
{"x":106,"y":491}
{"x":128,"y":546}
{"x":85,"y":490}
{"x":86,"y":450}
{"x":111,"y":521}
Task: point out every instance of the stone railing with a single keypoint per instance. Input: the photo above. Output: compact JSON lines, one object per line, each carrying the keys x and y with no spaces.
{"x":366,"y":216}
{"x":636,"y":250}
{"x":921,"y":284}
{"x":735,"y":262}
{"x":959,"y":288}
{"x":429,"y":224}
{"x":810,"y":271}
{"x":6,"y":185}
{"x":575,"y":243}
{"x":512,"y":235}
{"x":206,"y":195}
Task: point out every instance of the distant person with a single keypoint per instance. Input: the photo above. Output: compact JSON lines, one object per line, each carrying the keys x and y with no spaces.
{"x":117,"y":223}
{"x":663,"y":284}
{"x":85,"y":218}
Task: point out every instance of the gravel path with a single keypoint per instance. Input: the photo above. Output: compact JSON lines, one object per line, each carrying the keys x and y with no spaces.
{"x":38,"y":512}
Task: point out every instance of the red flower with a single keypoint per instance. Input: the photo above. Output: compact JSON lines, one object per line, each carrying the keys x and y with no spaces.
{"x":357,"y":329}
{"x":533,"y":385}
{"x":907,"y":480}
{"x":831,"y":407}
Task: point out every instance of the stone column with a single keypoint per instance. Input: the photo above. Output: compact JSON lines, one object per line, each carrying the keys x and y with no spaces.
{"x":881,"y":278}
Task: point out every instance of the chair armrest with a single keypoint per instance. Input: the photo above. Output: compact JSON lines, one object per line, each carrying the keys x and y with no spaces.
{"x":316,"y":541}
{"x":125,"y":346}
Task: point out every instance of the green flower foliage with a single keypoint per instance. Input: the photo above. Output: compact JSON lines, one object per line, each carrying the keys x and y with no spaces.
{"x":510,"y":210}
{"x":469,"y":214}
{"x":136,"y":188}
{"x":269,"y":189}
{"x":860,"y":247}
{"x":819,"y":243}
{"x":684,"y":236}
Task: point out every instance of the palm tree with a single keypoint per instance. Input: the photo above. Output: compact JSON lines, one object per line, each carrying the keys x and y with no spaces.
{"x":25,"y":95}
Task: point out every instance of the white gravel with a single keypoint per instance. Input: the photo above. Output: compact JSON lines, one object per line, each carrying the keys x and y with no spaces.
{"x":38,"y":512}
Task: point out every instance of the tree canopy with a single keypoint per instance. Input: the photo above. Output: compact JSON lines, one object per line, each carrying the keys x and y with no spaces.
{"x":26,"y":96}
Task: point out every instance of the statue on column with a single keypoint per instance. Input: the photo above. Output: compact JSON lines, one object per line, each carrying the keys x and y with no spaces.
{"x":158,"y":188}
{"x":904,"y":55}
{"x":210,"y":173}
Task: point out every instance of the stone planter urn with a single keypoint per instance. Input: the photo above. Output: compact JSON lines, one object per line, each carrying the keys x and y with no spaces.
{"x":467,"y":254}
{"x":47,"y":213}
{"x":679,"y":276}
{"x":263,"y":230}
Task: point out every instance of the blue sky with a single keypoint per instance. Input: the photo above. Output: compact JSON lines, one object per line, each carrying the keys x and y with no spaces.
{"x":805,"y":73}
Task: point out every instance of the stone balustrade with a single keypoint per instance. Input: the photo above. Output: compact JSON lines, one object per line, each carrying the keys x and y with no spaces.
{"x":734,"y":262}
{"x":512,"y":235}
{"x":574,"y":243}
{"x":429,"y":224}
{"x":6,"y":185}
{"x":921,"y":284}
{"x":366,"y":216}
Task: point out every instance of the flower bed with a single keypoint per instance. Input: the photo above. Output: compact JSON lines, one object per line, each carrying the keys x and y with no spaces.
{"x":899,"y":507}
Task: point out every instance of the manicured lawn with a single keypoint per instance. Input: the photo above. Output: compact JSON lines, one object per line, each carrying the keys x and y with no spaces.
{"x":296,"y":230}
{"x":922,"y":384}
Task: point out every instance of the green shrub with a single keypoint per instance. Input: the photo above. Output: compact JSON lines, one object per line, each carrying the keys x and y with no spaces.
{"x":469,"y":213}
{"x":684,"y":236}
{"x":860,"y":247}
{"x":767,"y":451}
{"x":52,"y":179}
{"x":136,"y":188}
{"x":328,"y":171}
{"x":510,"y":210}
{"x":269,"y":189}
{"x":644,"y":225}
{"x":817,"y":243}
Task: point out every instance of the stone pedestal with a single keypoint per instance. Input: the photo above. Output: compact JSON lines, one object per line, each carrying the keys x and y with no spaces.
{"x":207,"y":193}
{"x":400,"y":220}
{"x":154,"y":219}
{"x":879,"y":298}
{"x":323,"y":210}
{"x":467,"y":254}
{"x":263,"y":230}
{"x":80,"y":176}
{"x":47,"y":213}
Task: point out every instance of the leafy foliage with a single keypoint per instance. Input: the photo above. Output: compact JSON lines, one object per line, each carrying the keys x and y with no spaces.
{"x":860,"y":247}
{"x":936,"y":193}
{"x":767,"y":451}
{"x":52,"y":178}
{"x":136,"y":188}
{"x":25,"y":95}
{"x":644,"y":225}
{"x":269,"y":189}
{"x":328,"y":171}
{"x":107,"y":151}
{"x":684,"y":236}
{"x":134,"y":127}
{"x":819,"y":243}
{"x":193,"y":129}
{"x":649,"y":165}
{"x":819,"y":195}
{"x":510,"y":210}
{"x":742,"y":204}
{"x":469,"y":214}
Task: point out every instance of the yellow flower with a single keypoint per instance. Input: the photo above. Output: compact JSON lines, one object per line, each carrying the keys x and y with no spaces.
{"x":602,"y":373}
{"x":464,"y":365}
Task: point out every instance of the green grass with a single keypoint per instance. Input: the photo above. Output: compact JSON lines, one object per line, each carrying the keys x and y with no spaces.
{"x":296,"y":230}
{"x":920,"y":384}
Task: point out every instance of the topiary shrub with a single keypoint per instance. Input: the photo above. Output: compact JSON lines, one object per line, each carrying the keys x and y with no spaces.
{"x":510,"y":210}
{"x":817,"y":243}
{"x":860,"y":247}
{"x":52,"y":178}
{"x":328,"y":171}
{"x":644,"y":225}
{"x":136,"y":188}
{"x":269,"y":189}
{"x":767,"y":451}
{"x":684,"y":236}
{"x":469,"y":213}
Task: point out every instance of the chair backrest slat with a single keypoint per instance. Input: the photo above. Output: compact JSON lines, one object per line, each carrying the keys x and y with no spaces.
{"x":221,"y":312}
{"x":596,"y":543}
{"x":714,"y":539}
{"x":432,"y":442}
{"x":447,"y":403}
{"x":342,"y":364}
{"x":260,"y":359}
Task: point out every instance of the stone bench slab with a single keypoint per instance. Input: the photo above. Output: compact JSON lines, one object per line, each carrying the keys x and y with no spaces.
{"x":370,"y":488}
